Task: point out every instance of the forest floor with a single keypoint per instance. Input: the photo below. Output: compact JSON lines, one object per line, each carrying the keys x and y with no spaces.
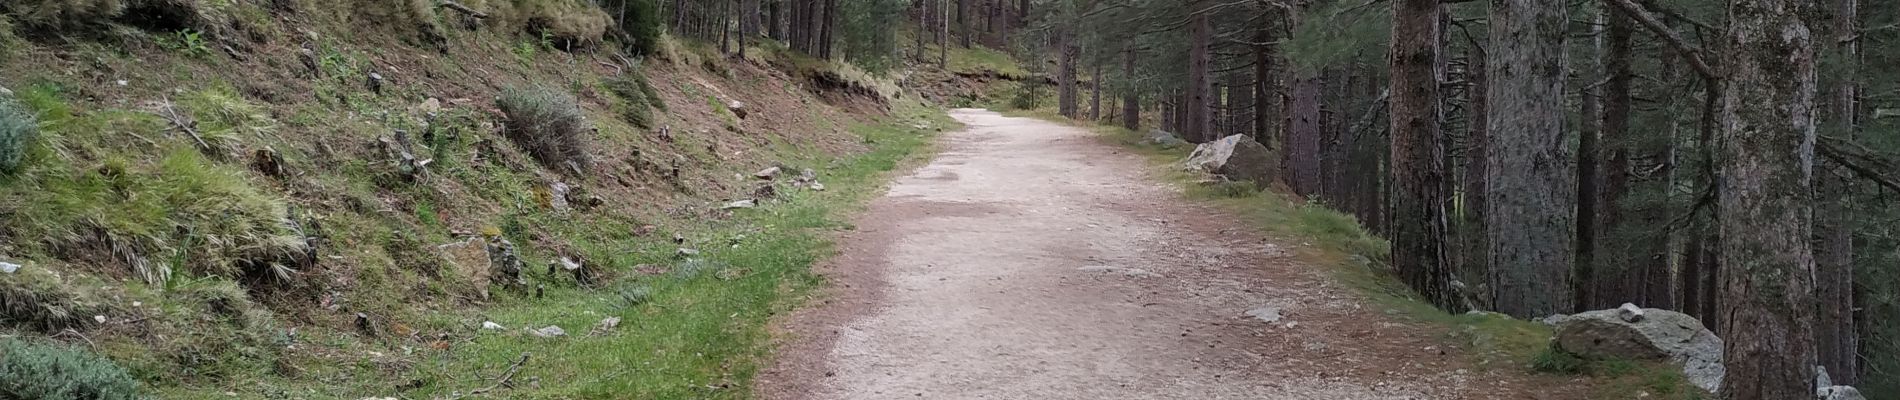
{"x":1034,"y":260}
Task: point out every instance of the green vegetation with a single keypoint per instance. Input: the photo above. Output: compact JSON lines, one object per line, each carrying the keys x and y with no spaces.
{"x":182,"y":210}
{"x":1625,"y":379}
{"x":636,"y":99}
{"x":698,"y":331}
{"x":985,"y":61}
{"x":49,"y":372}
{"x":641,"y":23}
{"x":18,"y":129}
{"x":548,"y":124}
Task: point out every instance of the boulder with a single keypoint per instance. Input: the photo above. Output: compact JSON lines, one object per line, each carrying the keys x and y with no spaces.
{"x":1239,"y":158}
{"x":1646,"y":334}
{"x":1209,"y":157}
{"x":738,"y":109}
{"x":1252,"y":162}
{"x":1838,"y":393}
{"x":7,"y":267}
{"x":767,"y":174}
{"x":1162,"y":138}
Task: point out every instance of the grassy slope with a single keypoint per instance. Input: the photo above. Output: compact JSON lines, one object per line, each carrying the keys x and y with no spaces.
{"x":109,"y":169}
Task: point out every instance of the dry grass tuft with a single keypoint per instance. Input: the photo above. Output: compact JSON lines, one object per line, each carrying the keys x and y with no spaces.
{"x":549,"y":125}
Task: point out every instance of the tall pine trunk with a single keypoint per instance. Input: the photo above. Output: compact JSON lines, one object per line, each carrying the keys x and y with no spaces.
{"x":1531,"y":199}
{"x":1766,"y":156}
{"x":1835,"y":336}
{"x":1418,"y":173}
{"x":1131,"y":98}
{"x":1198,"y":122}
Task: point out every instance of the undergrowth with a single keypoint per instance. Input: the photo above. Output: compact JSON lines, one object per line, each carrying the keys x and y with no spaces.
{"x":548,"y":124}
{"x":696,"y":331}
{"x":38,"y":371}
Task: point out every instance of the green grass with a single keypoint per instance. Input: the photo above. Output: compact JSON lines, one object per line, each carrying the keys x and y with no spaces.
{"x":683,"y":335}
{"x":1357,"y":257}
{"x":979,"y":59}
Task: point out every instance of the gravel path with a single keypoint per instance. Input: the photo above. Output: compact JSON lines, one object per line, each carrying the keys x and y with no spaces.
{"x":1031,"y":260}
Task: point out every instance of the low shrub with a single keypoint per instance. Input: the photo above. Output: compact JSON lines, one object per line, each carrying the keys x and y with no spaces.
{"x":635,"y":104}
{"x":548,"y":124}
{"x":1027,"y":96}
{"x":18,"y":128}
{"x":50,"y":372}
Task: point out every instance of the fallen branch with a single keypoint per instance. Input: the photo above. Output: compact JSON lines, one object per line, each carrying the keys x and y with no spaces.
{"x":167,"y":110}
{"x":505,"y":377}
{"x":459,"y":7}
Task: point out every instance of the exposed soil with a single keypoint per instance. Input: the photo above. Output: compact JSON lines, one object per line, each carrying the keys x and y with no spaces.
{"x":1032,"y":260}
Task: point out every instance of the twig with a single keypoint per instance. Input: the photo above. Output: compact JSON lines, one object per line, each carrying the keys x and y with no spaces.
{"x":459,"y":7}
{"x":170,"y":113}
{"x":505,"y":376}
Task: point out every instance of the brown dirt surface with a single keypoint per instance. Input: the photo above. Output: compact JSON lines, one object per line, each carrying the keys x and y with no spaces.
{"x":1032,"y":260}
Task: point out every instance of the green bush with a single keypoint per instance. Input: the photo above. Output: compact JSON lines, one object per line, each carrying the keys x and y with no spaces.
{"x":548,"y":124}
{"x":48,"y":372}
{"x":1027,"y":96}
{"x":635,"y":105}
{"x":18,"y":128}
{"x":1556,"y":361}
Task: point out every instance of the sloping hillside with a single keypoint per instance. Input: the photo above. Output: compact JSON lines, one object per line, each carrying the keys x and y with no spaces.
{"x":303,"y":199}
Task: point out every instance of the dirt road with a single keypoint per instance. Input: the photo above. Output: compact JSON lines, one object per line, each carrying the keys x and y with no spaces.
{"x":1031,"y":260}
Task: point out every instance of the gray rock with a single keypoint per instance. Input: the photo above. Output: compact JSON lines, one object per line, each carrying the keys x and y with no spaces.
{"x":1252,"y":162}
{"x":504,"y":263}
{"x":491,"y":325}
{"x":606,"y":325}
{"x":1209,"y":157}
{"x":1162,"y":138}
{"x":6,"y":92}
{"x":557,"y":196}
{"x":1237,"y":157}
{"x":1630,"y":313}
{"x":1821,"y":380}
{"x":767,"y":173}
{"x":1268,"y":314}
{"x":7,"y":267}
{"x":1657,"y":335}
{"x":738,"y":109}
{"x":817,"y":187}
{"x":686,"y":253}
{"x":548,"y":332}
{"x":1838,"y":393}
{"x":747,"y":203}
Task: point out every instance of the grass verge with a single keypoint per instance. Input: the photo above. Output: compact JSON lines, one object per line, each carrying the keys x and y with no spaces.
{"x":696,"y":331}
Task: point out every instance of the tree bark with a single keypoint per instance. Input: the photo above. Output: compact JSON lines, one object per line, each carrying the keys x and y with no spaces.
{"x":1531,"y":199}
{"x":1476,"y":167}
{"x":1835,"y":335}
{"x":1418,"y":173}
{"x":1591,"y":283}
{"x":1766,"y":156}
{"x":963,"y":21}
{"x":1198,"y":121}
{"x":1131,"y":98}
{"x":1095,"y":96}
